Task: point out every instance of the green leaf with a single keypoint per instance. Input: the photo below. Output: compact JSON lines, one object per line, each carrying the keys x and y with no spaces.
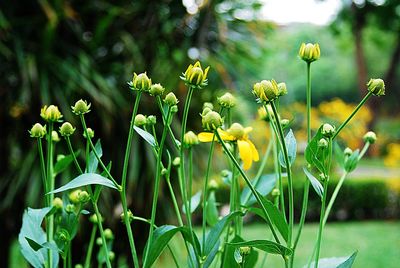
{"x":349,"y":262}
{"x":229,"y":255}
{"x":93,"y":162}
{"x":211,"y":209}
{"x":339,"y":155}
{"x":291,"y":146}
{"x":238,"y":258}
{"x":351,"y":162}
{"x":265,"y":245}
{"x":264,"y":186}
{"x":32,"y":238}
{"x":215,"y":232}
{"x":314,"y":155}
{"x":335,"y":262}
{"x":275,"y":215}
{"x":194,"y":202}
{"x":319,"y":189}
{"x":83,"y":180}
{"x":210,"y":257}
{"x":146,"y":136}
{"x":64,"y":162}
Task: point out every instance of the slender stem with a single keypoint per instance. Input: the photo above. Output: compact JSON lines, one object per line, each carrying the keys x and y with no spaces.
{"x":78,"y":167}
{"x":278,"y":171}
{"x":42,"y":168}
{"x":289,"y":174}
{"x":321,"y":225}
{"x":248,"y":182}
{"x":333,"y":197}
{"x":171,"y":133}
{"x":174,"y":202}
{"x":101,"y":230}
{"x":352,"y":114}
{"x":308,"y":96}
{"x":50,"y":187}
{"x":87,"y":153}
{"x":189,"y":189}
{"x":156,"y":188}
{"x":205,"y":187}
{"x":90,"y":247}
{"x":364,"y":150}
{"x":238,"y":221}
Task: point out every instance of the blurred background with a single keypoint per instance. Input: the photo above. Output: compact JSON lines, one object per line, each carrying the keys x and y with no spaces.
{"x":58,"y":51}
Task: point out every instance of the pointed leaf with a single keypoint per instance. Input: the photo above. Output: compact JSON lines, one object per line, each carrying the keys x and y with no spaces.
{"x":265,"y":245}
{"x":93,"y":162}
{"x":146,"y":136}
{"x":319,"y":189}
{"x":264,"y":186}
{"x":339,"y":155}
{"x":83,"y":180}
{"x":194,"y":202}
{"x":210,"y":257}
{"x":313,"y":154}
{"x":211,"y":210}
{"x":291,"y":146}
{"x":349,"y":262}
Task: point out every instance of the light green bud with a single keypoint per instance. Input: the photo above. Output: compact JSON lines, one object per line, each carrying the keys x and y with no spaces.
{"x":90,"y":133}
{"x":141,"y":82}
{"x":376,"y":86}
{"x":171,"y":99}
{"x":74,"y":196}
{"x":213,"y":185}
{"x":227,"y":100}
{"x":174,"y":109}
{"x":70,"y":208}
{"x":282,"y":90}
{"x":156,"y":90}
{"x":323,"y":143}
{"x":285,"y":122}
{"x":140,"y":120}
{"x":309,"y":52}
{"x":50,"y":113}
{"x":370,"y":137}
{"x":190,"y":139}
{"x":208,"y":105}
{"x":328,"y":130}
{"x":83,"y":196}
{"x":266,"y":90}
{"x":81,"y":107}
{"x":130,"y":216}
{"x":66,"y":129}
{"x":195,"y":76}
{"x":236,"y":130}
{"x":275,"y":192}
{"x":37,"y":131}
{"x":244,"y":250}
{"x":176,"y":162}
{"x":151,"y":120}
{"x":108,"y":234}
{"x":211,"y":121}
{"x":57,"y":203}
{"x":99,"y":241}
{"x":54,"y":136}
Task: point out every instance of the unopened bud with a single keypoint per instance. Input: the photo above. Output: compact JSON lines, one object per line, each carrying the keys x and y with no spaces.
{"x":176,"y":161}
{"x":66,"y":129}
{"x":208,"y":105}
{"x":58,"y":203}
{"x":171,"y":99}
{"x":195,"y":76}
{"x":151,"y":120}
{"x":347,"y":151}
{"x":266,"y":90}
{"x":309,"y":52}
{"x":50,"y":113}
{"x":213,"y":185}
{"x":54,"y":136}
{"x":130,"y":216}
{"x":140,"y":120}
{"x":227,"y":100}
{"x":90,"y":133}
{"x":328,"y":130}
{"x":376,"y":86}
{"x":282,"y":90}
{"x":190,"y":139}
{"x":323,"y":143}
{"x":37,"y":131}
{"x":244,"y":250}
{"x":211,"y":121}
{"x":275,"y":192}
{"x":370,"y":137}
{"x":141,"y":82}
{"x":108,"y":234}
{"x":156,"y":90}
{"x":81,"y":107}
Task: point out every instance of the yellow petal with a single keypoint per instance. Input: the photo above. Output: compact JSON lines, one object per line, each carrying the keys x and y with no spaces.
{"x":247,"y":130}
{"x":254,"y":151}
{"x":245,"y":153}
{"x":206,"y":136}
{"x":225,"y":135}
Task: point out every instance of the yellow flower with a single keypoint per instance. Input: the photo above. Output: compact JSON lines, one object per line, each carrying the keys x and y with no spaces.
{"x":247,"y":151}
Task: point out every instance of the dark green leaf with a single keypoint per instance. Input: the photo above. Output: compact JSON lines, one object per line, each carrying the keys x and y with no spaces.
{"x":314,"y":155}
{"x":265,"y":245}
{"x":146,"y":136}
{"x":211,"y":210}
{"x":351,"y":162}
{"x":83,"y":180}
{"x":264,"y":186}
{"x":64,"y":162}
{"x":291,"y":146}
{"x":93,"y":162}
{"x":339,"y":155}
{"x":34,"y":245}
{"x":319,"y":189}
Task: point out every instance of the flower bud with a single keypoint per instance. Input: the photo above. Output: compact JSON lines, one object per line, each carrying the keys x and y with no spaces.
{"x":347,"y":151}
{"x":54,"y":136}
{"x":63,"y":236}
{"x":141,"y":82}
{"x":176,"y":162}
{"x":206,"y":110}
{"x":130,"y":216}
{"x":70,"y":208}
{"x":285,"y":122}
{"x":57,"y":203}
{"x":151,"y":120}
{"x":174,"y":109}
{"x":93,"y":219}
{"x":140,"y":120}
{"x":81,"y":107}
{"x":171,"y":99}
{"x":67,"y":129}
{"x":376,"y":86}
{"x":74,"y":196}
{"x":282,"y":90}
{"x":322,"y":177}
{"x":208,"y":105}
{"x":83,"y":197}
{"x":211,"y":121}
{"x":244,"y":250}
{"x":275,"y":192}
{"x":262,"y":114}
{"x":225,"y":173}
{"x":37,"y":131}
{"x":111,"y":255}
{"x":90,"y":133}
{"x":78,"y":265}
{"x":195,"y":76}
{"x":328,"y":130}
{"x":309,"y":52}
{"x":190,"y":139}
{"x":227,"y":100}
{"x":236,"y":130}
{"x":213,"y":185}
{"x":266,"y":90}
{"x":108,"y":234}
{"x":370,"y":137}
{"x":164,"y":171}
{"x":51,"y":113}
{"x":156,"y":90}
{"x":323,"y":143}
{"x":99,"y":241}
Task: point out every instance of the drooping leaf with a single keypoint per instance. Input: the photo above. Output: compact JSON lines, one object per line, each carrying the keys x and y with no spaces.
{"x":314,"y":155}
{"x":291,"y":146}
{"x":264,"y":186}
{"x":211,"y":209}
{"x":319,"y":189}
{"x":146,"y":136}
{"x":194,"y":202}
{"x":265,"y":245}
{"x":83,"y":180}
{"x":335,"y":262}
{"x":351,"y":162}
{"x":93,"y":162}
{"x":64,"y":162}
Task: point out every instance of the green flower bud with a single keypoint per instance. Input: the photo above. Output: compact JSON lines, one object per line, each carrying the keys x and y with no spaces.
{"x":275,"y":192}
{"x":323,"y":143}
{"x":176,"y":162}
{"x":164,"y":171}
{"x":90,"y":133}
{"x":54,"y":136}
{"x":130,"y":216}
{"x":83,"y":197}
{"x":195,"y":76}
{"x":322,"y":177}
{"x":225,"y":173}
{"x":171,"y":99}
{"x":108,"y":234}
{"x":282,"y":90}
{"x":151,"y":120}
{"x":111,"y":255}
{"x":70,"y":208}
{"x":347,"y":151}
{"x":211,"y":121}
{"x":213,"y":185}
{"x":141,"y":82}
{"x":174,"y":109}
{"x":244,"y":250}
{"x":370,"y":137}
{"x":51,"y":113}
{"x":66,"y":129}
{"x":376,"y":86}
{"x":74,"y":196}
{"x":140,"y":120}
{"x":236,"y":130}
{"x":266,"y":90}
{"x":99,"y":241}
{"x":81,"y":107}
{"x":93,"y":219}
{"x":227,"y":100}
{"x":63,"y":236}
{"x":208,"y":105}
{"x":57,"y":203}
{"x":156,"y":90}
{"x":285,"y":122}
{"x":37,"y":131}
{"x":309,"y":52}
{"x":190,"y":139}
{"x":206,"y":110}
{"x":78,"y":265}
{"x":328,"y":130}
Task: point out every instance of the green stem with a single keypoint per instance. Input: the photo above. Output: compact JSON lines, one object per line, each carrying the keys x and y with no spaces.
{"x":90,"y":247}
{"x":103,"y":238}
{"x":87,"y":153}
{"x":248,"y":182}
{"x":171,"y":133}
{"x":50,"y":187}
{"x":189,"y":190}
{"x":333,"y":197}
{"x":43,"y":169}
{"x":174,"y":202}
{"x":321,"y":225}
{"x":278,"y":171}
{"x":238,"y":221}
{"x":289,"y":174}
{"x":78,"y":167}
{"x":352,"y":114}
{"x":364,"y":150}
{"x":156,"y":188}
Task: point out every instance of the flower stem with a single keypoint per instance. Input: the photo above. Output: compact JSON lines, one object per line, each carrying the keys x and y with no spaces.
{"x":333,"y":197}
{"x":189,"y":189}
{"x":364,"y":150}
{"x":42,"y":169}
{"x":78,"y":167}
{"x":50,"y":187}
{"x":103,"y":238}
{"x":90,"y":247}
{"x":171,"y":133}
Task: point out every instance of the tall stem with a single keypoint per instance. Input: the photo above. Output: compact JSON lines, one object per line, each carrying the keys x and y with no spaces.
{"x":50,"y":187}
{"x":78,"y":167}
{"x":90,"y":247}
{"x":189,"y":189}
{"x":101,"y":230}
{"x":43,"y":169}
{"x":333,"y":197}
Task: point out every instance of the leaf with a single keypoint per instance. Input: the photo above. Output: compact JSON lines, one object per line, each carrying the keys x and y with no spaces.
{"x":339,"y":155}
{"x":226,"y":176}
{"x":194,"y":202}
{"x":64,"y":162}
{"x":210,"y":257}
{"x":291,"y":146}
{"x":83,"y":180}
{"x":319,"y":189}
{"x":264,"y":186}
{"x":32,"y":238}
{"x":215,"y":232}
{"x":351,"y":163}
{"x":313,"y":154}
{"x":275,"y":215}
{"x":229,"y":257}
{"x":265,"y":245}
{"x":335,"y":262}
{"x":237,"y":256}
{"x":93,"y":162}
{"x":146,"y":136}
{"x":211,"y":210}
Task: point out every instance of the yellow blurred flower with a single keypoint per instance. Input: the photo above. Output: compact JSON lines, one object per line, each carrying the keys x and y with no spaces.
{"x":392,"y":158}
